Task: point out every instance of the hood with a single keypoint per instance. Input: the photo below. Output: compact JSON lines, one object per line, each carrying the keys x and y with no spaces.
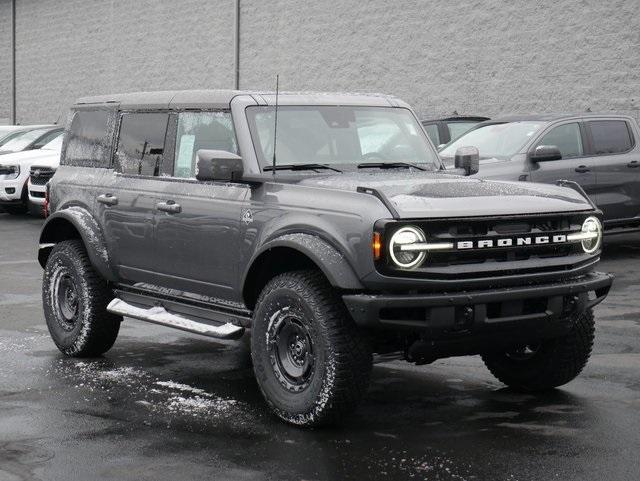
{"x":431,"y":194}
{"x":28,"y":157}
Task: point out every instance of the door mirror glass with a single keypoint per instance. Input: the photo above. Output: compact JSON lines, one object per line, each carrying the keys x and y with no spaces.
{"x":468,"y":159}
{"x":545,"y":153}
{"x":218,"y":165}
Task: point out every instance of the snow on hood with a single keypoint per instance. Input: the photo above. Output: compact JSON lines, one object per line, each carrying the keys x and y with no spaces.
{"x":431,"y":194}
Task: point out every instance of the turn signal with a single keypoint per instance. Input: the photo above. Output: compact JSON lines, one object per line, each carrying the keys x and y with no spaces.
{"x":376,"y":246}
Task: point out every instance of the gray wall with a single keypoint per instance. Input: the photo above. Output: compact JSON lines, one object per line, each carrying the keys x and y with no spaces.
{"x":5,"y":61}
{"x":478,"y":57}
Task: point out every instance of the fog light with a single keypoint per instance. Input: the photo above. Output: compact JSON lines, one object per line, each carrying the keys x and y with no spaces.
{"x":10,"y":190}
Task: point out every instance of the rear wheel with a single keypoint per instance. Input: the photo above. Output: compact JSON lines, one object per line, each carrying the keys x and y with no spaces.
{"x":75,"y":302}
{"x":548,"y":363}
{"x":311,"y":363}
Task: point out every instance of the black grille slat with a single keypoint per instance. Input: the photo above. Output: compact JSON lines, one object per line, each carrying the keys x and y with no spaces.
{"x":41,"y":175}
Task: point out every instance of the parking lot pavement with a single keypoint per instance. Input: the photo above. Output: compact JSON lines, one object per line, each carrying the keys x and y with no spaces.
{"x":168,"y":405}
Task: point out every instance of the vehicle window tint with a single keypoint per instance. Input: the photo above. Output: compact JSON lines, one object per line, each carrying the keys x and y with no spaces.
{"x":141,"y":143}
{"x":89,"y":138}
{"x":610,"y":136}
{"x":567,"y":138}
{"x":456,"y":129}
{"x":432,"y":132}
{"x":45,"y":139}
{"x":201,"y":130}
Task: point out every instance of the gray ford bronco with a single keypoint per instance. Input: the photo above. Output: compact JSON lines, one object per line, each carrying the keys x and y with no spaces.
{"x":327,"y":225}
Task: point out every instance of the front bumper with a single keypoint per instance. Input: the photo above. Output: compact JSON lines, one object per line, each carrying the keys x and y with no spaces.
{"x":478,"y":310}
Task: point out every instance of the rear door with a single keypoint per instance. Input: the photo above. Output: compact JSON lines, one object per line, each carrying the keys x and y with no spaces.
{"x":575,"y":165}
{"x":198,"y":223}
{"x":127,"y":200}
{"x":616,"y":159}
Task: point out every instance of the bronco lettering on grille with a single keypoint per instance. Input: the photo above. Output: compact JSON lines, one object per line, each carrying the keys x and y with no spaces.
{"x":512,"y":241}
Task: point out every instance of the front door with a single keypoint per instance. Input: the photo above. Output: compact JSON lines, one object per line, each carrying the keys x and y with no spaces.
{"x":198,"y":223}
{"x":574,"y":165}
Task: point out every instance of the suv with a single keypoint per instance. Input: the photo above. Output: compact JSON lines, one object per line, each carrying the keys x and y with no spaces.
{"x":337,"y":237}
{"x":598,"y":151}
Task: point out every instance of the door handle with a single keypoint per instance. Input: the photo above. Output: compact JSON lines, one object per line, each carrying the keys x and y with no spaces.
{"x":582,"y":169}
{"x":633,"y":164}
{"x":108,"y":199}
{"x":169,"y":206}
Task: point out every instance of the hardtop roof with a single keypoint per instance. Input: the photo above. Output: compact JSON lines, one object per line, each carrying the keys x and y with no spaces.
{"x":553,"y":117}
{"x":221,"y":99}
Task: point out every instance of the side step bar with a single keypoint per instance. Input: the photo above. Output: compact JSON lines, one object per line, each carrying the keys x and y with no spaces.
{"x":159,"y":315}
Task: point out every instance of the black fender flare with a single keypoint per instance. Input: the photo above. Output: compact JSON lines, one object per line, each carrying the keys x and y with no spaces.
{"x":56,"y":229}
{"x":333,"y":264}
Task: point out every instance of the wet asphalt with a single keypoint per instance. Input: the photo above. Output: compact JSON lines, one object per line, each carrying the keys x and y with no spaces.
{"x":165,"y":405}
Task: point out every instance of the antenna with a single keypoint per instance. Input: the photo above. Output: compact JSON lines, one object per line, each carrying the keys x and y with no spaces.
{"x":275,"y":126}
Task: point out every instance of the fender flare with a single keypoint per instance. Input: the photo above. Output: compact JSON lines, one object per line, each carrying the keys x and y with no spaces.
{"x":333,"y":264}
{"x":55,"y":230}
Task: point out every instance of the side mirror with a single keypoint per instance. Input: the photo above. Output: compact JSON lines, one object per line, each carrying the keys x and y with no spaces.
{"x":545,"y":153}
{"x":218,"y":165}
{"x":468,"y":159}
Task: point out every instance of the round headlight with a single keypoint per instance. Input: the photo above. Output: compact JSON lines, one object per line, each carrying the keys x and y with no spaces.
{"x":592,"y":228}
{"x":404,"y":237}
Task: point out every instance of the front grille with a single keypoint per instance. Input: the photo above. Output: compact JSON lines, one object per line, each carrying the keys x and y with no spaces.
{"x":41,"y":175}
{"x":459,"y":263}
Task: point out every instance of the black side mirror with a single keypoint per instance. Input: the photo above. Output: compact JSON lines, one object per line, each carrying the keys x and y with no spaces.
{"x":218,"y":165}
{"x":545,"y":153}
{"x":468,"y":159}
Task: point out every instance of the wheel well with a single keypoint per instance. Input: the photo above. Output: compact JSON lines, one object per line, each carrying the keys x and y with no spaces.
{"x":269,"y":264}
{"x":57,"y":230}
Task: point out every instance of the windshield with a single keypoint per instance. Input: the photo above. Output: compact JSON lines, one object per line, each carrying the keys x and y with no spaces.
{"x":55,"y":144}
{"x":500,"y":141}
{"x":18,"y":143}
{"x":340,"y":135}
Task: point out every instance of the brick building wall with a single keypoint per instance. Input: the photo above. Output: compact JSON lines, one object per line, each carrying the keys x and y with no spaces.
{"x":486,"y":57}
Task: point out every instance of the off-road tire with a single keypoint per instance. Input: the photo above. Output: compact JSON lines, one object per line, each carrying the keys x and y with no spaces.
{"x":342,"y":362}
{"x":92,"y":330}
{"x":556,"y":361}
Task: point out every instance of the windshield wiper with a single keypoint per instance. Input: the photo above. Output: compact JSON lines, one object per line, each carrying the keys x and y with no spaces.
{"x":300,"y":167}
{"x":388,"y":165}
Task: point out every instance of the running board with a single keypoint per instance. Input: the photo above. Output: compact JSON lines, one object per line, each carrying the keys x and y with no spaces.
{"x":159,"y":315}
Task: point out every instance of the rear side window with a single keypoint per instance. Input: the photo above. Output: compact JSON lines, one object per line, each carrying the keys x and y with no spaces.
{"x":456,"y":129}
{"x":610,"y":136}
{"x":201,"y":130}
{"x":89,"y":139}
{"x":567,"y":138}
{"x":140,"y":148}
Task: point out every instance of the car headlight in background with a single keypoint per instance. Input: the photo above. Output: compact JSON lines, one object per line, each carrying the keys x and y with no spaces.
{"x":399,"y":250}
{"x":590,"y":235}
{"x":10,"y":171}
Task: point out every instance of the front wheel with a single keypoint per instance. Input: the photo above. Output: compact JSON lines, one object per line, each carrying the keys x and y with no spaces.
{"x":311,"y":363}
{"x":548,"y":363}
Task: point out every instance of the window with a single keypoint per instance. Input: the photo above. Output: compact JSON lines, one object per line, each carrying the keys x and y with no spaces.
{"x":23,"y":140}
{"x":456,"y":129}
{"x":432,"y":132}
{"x":610,"y":136}
{"x":45,"y":139}
{"x":339,"y":135}
{"x":201,"y":130}
{"x":567,"y":138}
{"x":141,"y":143}
{"x":89,"y":139}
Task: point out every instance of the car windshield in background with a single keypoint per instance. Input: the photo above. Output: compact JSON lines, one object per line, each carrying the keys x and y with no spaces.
{"x":340,"y":135}
{"x":500,"y":141}
{"x":55,"y":144}
{"x":21,"y":141}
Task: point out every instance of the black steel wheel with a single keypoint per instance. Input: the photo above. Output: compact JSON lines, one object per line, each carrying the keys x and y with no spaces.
{"x":311,"y":363}
{"x":75,"y":302}
{"x":548,"y":363}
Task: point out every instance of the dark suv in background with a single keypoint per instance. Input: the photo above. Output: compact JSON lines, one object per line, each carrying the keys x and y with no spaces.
{"x":599,"y":152}
{"x":339,"y":236}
